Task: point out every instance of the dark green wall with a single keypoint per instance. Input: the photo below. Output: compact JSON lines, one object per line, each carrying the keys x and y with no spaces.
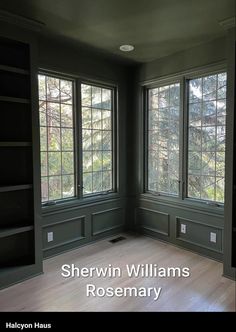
{"x":196,"y":57}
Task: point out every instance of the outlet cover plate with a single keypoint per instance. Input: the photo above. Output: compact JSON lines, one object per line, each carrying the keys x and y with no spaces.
{"x":213,"y":237}
{"x":50,"y":236}
{"x":183,"y":228}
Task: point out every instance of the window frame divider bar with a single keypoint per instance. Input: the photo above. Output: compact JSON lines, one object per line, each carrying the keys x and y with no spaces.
{"x":184,"y":146}
{"x":78,"y":140}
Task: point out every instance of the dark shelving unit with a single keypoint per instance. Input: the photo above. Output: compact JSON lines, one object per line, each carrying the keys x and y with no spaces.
{"x":17,"y":188}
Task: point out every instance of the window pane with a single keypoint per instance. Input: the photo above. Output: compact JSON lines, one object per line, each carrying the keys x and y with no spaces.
{"x":42,"y":113}
{"x":67,"y":139}
{"x":97,"y":182}
{"x":106,"y":160}
{"x":207,"y":187}
{"x":194,"y":186}
{"x":86,"y":118}
{"x":44,"y":163}
{"x":220,"y":184}
{"x":44,"y":189}
{"x":195,"y":90}
{"x":67,"y":162}
{"x":87,"y":183}
{"x":86,"y":95}
{"x":53,"y":114}
{"x":106,"y":99}
{"x":87,"y":161}
{"x":195,"y":114}
{"x":107,"y":180}
{"x":163,"y":139}
{"x":221,"y":91}
{"x":43,"y":139}
{"x":66,"y":91}
{"x":54,"y":163}
{"x":107,"y":140}
{"x":96,"y":119}
{"x":68,"y":186}
{"x":87,"y":140}
{"x":97,"y":161}
{"x":96,"y":97}
{"x":209,"y":87}
{"x":56,"y":138}
{"x":153,"y":99}
{"x":174,"y":95}
{"x":106,"y":120}
{"x":55,"y":187}
{"x":206,"y":137}
{"x":42,"y":87}
{"x":53,"y":89}
{"x":209,"y":113}
{"x":97,"y":139}
{"x":66,"y":116}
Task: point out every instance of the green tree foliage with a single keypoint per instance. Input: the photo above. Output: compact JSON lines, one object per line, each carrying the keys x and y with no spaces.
{"x":96,"y":138}
{"x":206,"y":138}
{"x":207,"y":112}
{"x":56,"y":137}
{"x":163,"y":122}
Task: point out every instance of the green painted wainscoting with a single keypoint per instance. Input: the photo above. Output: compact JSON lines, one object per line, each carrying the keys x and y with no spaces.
{"x":77,"y":226}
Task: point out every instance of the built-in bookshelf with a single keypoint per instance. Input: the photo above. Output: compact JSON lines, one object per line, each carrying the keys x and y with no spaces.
{"x":17,"y":210}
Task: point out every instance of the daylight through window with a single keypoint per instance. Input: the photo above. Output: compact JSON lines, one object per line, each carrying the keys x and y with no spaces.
{"x":206,"y":139}
{"x":202,"y":142}
{"x":163,"y":139}
{"x":76,"y":155}
{"x":97,"y":138}
{"x":56,"y":138}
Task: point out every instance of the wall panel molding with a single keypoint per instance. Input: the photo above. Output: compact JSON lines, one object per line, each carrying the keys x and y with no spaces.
{"x":107,"y":220}
{"x":160,"y":224}
{"x":198,"y":234}
{"x":64,"y":232}
{"x":62,"y":221}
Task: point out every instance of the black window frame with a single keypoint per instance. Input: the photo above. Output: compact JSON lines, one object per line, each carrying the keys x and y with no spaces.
{"x":79,"y":198}
{"x":183,"y":79}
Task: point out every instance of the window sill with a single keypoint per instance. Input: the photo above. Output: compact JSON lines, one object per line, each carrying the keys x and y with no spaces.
{"x":188,"y":203}
{"x":79,"y":202}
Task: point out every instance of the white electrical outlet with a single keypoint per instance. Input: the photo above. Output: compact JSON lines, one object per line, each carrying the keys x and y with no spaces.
{"x":183,"y":228}
{"x":50,"y":236}
{"x":213,"y":237}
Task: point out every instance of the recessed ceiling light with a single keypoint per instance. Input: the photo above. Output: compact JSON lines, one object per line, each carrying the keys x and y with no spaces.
{"x":126,"y":48}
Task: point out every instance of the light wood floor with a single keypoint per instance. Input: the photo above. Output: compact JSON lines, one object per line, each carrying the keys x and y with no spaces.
{"x":204,"y":290}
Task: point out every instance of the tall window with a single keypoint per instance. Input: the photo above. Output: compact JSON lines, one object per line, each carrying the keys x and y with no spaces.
{"x":56,"y":138}
{"x":163,"y":139}
{"x":206,"y":142}
{"x":97,"y":138}
{"x":202,"y":144}
{"x":75,"y":154}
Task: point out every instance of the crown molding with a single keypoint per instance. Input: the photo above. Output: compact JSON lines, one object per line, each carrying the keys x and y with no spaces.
{"x":228,"y":23}
{"x":21,"y":21}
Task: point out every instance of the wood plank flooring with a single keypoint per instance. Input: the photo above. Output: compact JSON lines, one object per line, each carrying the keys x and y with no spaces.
{"x":204,"y":290}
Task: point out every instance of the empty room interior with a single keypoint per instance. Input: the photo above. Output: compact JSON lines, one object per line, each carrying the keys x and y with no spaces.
{"x":117,"y":155}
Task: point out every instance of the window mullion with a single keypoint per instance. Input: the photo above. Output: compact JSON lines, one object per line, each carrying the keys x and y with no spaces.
{"x":115,"y":142}
{"x":146,"y":138}
{"x":183,"y":138}
{"x":78,"y":140}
